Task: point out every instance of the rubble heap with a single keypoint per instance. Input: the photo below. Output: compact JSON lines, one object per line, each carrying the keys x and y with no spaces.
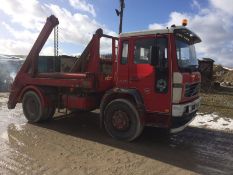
{"x":223,"y":75}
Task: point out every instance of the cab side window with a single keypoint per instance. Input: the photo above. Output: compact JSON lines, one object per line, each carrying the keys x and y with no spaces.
{"x":142,"y":50}
{"x":124,"y":52}
{"x":161,"y":64}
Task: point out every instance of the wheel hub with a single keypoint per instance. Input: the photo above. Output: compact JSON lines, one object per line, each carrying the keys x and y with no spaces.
{"x":31,"y":106}
{"x":120,"y":120}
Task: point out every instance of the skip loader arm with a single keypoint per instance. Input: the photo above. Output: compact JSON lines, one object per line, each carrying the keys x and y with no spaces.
{"x":30,"y":64}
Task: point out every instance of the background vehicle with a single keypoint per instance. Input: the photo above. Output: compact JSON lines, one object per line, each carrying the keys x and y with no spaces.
{"x":151,"y":80}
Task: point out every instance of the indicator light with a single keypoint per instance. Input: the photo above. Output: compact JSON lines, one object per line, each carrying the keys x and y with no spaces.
{"x":185,"y":22}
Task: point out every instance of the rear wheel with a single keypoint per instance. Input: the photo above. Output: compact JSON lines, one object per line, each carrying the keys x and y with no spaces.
{"x":50,"y":113}
{"x":122,"y":121}
{"x":32,"y":107}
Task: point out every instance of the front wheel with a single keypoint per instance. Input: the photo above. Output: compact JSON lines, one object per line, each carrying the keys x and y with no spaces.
{"x":122,"y":120}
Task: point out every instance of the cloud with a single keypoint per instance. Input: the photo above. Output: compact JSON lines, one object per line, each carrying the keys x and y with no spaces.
{"x":28,"y":13}
{"x":195,"y":4}
{"x":82,"y":5}
{"x":224,"y":5}
{"x":174,"y":18}
{"x":48,"y":50}
{"x":13,"y":47}
{"x":214,"y":25}
{"x":25,"y":20}
{"x":25,"y":35}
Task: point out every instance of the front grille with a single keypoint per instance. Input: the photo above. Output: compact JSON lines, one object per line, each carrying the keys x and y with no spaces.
{"x":191,"y":89}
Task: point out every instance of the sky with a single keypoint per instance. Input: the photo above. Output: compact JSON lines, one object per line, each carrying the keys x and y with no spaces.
{"x":22,"y":20}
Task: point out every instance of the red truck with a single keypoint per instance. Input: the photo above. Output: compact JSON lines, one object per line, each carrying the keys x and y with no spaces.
{"x":151,"y":79}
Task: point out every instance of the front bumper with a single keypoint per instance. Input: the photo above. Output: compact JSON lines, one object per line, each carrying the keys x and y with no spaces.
{"x":178,"y":110}
{"x":178,"y":124}
{"x":183,"y":114}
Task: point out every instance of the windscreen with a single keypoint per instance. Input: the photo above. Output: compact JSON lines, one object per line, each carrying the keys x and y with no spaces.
{"x":186,"y":54}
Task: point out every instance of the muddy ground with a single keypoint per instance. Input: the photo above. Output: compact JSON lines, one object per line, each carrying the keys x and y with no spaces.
{"x":76,"y":145}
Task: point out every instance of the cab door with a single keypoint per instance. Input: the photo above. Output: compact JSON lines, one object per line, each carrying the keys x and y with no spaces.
{"x":123,"y":65}
{"x":149,"y":72}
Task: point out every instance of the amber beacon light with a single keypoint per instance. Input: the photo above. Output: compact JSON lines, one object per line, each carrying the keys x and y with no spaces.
{"x":185,"y":22}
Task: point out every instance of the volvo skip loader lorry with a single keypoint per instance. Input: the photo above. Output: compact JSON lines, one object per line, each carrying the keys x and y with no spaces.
{"x":150,"y":78}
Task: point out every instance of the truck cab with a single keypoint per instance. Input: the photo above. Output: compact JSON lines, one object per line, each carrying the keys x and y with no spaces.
{"x":161,"y":66}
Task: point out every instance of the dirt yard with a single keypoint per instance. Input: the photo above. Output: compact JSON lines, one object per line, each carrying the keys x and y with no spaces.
{"x":76,"y":145}
{"x":217,"y":102}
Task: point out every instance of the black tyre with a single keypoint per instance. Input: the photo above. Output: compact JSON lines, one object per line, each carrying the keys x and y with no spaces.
{"x":48,"y":115}
{"x":32,"y":107}
{"x":122,"y":121}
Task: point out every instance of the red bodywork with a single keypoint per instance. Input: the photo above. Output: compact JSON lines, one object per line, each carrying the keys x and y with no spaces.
{"x":85,"y":74}
{"x":86,"y":84}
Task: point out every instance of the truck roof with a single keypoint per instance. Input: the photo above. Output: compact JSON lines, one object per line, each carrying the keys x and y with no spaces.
{"x":184,"y":30}
{"x":145,"y":32}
